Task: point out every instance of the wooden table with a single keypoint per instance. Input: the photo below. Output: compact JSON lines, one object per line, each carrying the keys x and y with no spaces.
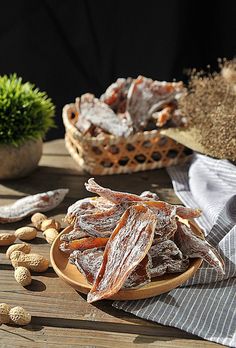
{"x":60,"y":315}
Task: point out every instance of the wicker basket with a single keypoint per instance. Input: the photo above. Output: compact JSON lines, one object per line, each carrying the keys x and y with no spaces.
{"x":112,"y":155}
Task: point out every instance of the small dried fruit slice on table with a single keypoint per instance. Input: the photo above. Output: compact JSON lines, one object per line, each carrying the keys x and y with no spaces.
{"x":41,"y":202}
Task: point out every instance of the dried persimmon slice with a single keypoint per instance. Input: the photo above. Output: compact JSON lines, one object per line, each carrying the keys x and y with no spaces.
{"x":94,"y":112}
{"x":89,"y":262}
{"x":192,"y":246}
{"x":188,"y":213}
{"x":40,"y":202}
{"x":88,"y":205}
{"x":141,"y":274}
{"x":72,"y":235}
{"x":145,"y":96}
{"x":116,"y":94}
{"x":83,"y":244}
{"x":101,"y":224}
{"x":149,"y":195}
{"x":165,"y":212}
{"x":115,"y":197}
{"x":166,"y":258}
{"x":126,"y":248}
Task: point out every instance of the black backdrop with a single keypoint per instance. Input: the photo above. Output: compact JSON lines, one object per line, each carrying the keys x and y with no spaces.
{"x":69,"y":47}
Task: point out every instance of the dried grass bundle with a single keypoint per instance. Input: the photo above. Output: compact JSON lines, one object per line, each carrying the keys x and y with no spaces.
{"x":210,"y":108}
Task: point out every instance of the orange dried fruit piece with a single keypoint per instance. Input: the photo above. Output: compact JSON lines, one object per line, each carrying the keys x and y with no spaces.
{"x":188,"y":213}
{"x":127,"y":247}
{"x":72,"y":235}
{"x":165,"y":212}
{"x":141,"y":274}
{"x":41,"y":202}
{"x":164,"y":115}
{"x":146,"y":96}
{"x":89,"y":262}
{"x":88,"y":205}
{"x":94,"y":112}
{"x":193,"y":246}
{"x":116,"y":94}
{"x":115,"y":197}
{"x":84,"y":243}
{"x":167,"y":258}
{"x":101,"y":224}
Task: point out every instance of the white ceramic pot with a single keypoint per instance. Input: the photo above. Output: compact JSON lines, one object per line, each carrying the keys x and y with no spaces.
{"x":16,"y":162}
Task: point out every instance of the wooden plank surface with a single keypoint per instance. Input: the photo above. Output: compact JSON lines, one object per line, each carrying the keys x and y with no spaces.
{"x":60,"y":314}
{"x":46,"y":336}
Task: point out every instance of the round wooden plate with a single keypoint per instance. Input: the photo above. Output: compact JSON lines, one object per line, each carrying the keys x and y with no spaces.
{"x":72,"y":276}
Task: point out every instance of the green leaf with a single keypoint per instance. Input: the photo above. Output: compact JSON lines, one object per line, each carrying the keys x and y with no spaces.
{"x":25,"y":112}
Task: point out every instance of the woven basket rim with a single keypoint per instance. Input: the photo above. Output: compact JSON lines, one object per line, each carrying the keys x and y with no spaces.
{"x":83,"y":149}
{"x":69,"y":126}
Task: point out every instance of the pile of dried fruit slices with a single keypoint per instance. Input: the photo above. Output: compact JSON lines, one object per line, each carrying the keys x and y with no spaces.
{"x":130,"y":105}
{"x":122,"y":240}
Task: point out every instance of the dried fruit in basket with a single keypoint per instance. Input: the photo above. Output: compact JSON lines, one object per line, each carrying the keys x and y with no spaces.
{"x":128,"y":245}
{"x":116,"y":94}
{"x":170,"y":115}
{"x":92,"y":111}
{"x":193,"y":246}
{"x":146,"y":97}
{"x":29,"y":205}
{"x":128,"y":106}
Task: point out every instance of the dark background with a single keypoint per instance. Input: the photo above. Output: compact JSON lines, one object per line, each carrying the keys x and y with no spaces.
{"x":69,"y":47}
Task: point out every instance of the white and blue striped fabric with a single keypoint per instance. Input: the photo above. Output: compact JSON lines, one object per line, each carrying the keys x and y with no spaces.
{"x":206,"y":304}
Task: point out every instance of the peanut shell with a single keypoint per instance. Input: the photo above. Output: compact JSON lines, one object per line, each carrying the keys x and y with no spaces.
{"x":24,"y":247}
{"x":19,"y":316}
{"x":22,"y":276}
{"x":26,"y":233}
{"x":7,"y":239}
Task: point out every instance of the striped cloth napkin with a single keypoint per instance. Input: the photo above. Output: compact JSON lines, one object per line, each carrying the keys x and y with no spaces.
{"x":206,"y":304}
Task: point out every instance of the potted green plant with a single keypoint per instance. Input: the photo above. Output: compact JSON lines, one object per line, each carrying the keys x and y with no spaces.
{"x":25,"y":116}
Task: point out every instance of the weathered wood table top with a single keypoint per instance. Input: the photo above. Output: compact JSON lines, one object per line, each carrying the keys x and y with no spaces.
{"x":60,"y":315}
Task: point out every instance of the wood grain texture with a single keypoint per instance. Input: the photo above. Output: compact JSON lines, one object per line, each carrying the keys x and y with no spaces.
{"x":61,"y":316}
{"x":46,"y":336}
{"x":48,"y":296}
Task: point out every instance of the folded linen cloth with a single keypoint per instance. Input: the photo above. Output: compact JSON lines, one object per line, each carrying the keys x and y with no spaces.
{"x":206,"y":304}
